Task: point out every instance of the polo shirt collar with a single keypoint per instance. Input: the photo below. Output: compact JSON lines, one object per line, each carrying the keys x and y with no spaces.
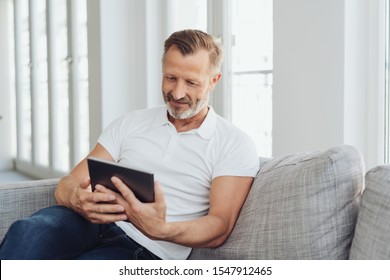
{"x":206,"y":129}
{"x":162,"y":117}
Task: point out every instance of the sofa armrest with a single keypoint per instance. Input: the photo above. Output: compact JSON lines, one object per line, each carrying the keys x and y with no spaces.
{"x":372,"y":233}
{"x":18,"y":200}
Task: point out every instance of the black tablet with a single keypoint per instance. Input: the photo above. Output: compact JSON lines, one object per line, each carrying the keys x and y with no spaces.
{"x":141,"y":183}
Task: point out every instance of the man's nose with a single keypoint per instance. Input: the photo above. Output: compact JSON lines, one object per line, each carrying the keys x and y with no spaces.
{"x":179,"y":91}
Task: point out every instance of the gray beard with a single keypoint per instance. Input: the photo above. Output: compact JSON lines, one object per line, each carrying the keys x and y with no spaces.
{"x":192,"y":111}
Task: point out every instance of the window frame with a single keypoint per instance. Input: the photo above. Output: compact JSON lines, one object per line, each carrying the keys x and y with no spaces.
{"x":378,"y":123}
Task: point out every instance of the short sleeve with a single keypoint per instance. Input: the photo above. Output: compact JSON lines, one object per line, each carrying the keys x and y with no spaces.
{"x":111,"y":137}
{"x":238,"y":157}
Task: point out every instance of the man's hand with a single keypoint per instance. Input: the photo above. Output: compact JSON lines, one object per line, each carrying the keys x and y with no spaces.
{"x":97,"y":207}
{"x":149,"y":218}
{"x":74,"y":191}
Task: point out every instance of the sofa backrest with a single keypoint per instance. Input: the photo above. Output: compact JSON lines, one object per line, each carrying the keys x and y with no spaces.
{"x":301,"y":206}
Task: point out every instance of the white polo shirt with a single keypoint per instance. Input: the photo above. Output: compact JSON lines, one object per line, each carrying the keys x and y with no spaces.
{"x":184,"y":163}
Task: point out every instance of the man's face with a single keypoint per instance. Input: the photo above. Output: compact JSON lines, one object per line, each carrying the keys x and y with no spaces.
{"x":187,"y":83}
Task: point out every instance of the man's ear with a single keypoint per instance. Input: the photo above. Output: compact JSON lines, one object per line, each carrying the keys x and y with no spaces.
{"x":215,"y":80}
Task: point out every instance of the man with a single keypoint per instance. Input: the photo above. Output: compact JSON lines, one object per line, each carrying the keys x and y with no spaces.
{"x":203,"y":167}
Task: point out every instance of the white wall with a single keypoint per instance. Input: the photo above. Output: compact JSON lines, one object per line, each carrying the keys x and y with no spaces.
{"x":323,"y":77}
{"x":125,"y":47}
{"x":111,"y":50}
{"x":6,"y":111}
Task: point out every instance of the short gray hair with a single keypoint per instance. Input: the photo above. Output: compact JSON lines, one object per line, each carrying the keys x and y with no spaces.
{"x":189,"y":41}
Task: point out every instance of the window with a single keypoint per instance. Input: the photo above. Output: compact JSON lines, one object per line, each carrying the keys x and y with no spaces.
{"x":51,"y":64}
{"x":247,"y":95}
{"x":252,"y":70}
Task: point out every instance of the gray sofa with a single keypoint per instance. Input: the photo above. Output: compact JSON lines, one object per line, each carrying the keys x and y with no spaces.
{"x":314,"y":205}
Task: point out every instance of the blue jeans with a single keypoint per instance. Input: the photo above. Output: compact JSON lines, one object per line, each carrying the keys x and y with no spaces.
{"x":60,"y":233}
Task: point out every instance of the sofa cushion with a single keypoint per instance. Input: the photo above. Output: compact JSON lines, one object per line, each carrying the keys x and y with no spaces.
{"x":301,"y":206}
{"x":372,"y":233}
{"x":19,"y":200}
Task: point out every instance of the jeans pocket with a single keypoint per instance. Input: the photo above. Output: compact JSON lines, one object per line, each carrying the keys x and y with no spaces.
{"x":144,"y":254}
{"x":110,"y":232}
{"x":113,"y":236}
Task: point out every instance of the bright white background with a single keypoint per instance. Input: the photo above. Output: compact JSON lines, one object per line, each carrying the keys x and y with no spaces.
{"x":328,"y":77}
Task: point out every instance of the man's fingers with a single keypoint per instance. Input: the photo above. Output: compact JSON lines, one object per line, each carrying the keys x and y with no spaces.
{"x":106,"y":218}
{"x":104,"y":208}
{"x":98,"y":196}
{"x":124,"y":190}
{"x":103,"y":211}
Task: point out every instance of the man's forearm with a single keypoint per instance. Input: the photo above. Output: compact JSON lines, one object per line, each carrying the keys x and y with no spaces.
{"x":208,"y":231}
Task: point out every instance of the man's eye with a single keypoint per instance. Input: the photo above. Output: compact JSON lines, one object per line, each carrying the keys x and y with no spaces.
{"x":170,"y":78}
{"x":191,"y":83}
